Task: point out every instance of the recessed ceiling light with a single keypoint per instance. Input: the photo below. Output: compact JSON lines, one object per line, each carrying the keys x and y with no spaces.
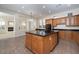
{"x":22,"y":6}
{"x":44,"y":6}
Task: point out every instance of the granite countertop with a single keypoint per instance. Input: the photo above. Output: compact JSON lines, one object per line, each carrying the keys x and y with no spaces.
{"x":40,"y":32}
{"x":44,"y":33}
{"x":67,"y":29}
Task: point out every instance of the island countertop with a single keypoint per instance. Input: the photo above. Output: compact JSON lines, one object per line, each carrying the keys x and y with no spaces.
{"x":41,"y":32}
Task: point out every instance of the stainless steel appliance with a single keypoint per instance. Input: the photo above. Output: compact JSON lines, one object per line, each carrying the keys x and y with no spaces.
{"x":48,"y":27}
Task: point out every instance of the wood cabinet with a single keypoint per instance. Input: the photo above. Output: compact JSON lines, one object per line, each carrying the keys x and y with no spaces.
{"x":75,"y":36}
{"x":59,"y":21}
{"x":46,"y":45}
{"x":53,"y":41}
{"x":72,"y":21}
{"x":50,"y":42}
{"x":41,"y":44}
{"x":55,"y":23}
{"x":28,"y":41}
{"x":69,"y":21}
{"x":69,"y":35}
{"x":62,"y":35}
{"x":76,"y":20}
{"x":37,"y":44}
{"x":49,"y":21}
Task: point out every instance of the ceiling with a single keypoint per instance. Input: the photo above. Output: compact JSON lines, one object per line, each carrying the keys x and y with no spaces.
{"x":39,"y":10}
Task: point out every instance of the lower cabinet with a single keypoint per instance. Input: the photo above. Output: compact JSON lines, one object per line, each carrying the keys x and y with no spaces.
{"x":41,"y":44}
{"x":69,"y":35}
{"x":75,"y":36}
{"x":49,"y":42}
{"x":46,"y":42}
{"x":37,"y":44}
{"x":53,"y":41}
{"x":62,"y":35}
{"x":28,"y":41}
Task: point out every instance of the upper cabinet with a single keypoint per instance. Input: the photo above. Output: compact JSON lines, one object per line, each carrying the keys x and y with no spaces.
{"x":76,"y":20}
{"x":58,"y":21}
{"x":61,"y":20}
{"x":68,"y":21}
{"x":72,"y":21}
{"x":55,"y":22}
{"x":49,"y":21}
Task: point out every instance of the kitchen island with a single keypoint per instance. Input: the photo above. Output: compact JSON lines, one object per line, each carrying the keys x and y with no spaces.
{"x":41,"y":42}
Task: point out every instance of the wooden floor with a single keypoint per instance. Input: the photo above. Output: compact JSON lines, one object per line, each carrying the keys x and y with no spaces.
{"x":16,"y":46}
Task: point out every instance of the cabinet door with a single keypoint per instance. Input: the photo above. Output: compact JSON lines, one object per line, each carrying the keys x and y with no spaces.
{"x":62,"y":35}
{"x":68,"y":35}
{"x":53,"y":41}
{"x":54,"y":22}
{"x":46,"y":43}
{"x":49,"y":21}
{"x":37,"y":44}
{"x":77,"y":20}
{"x":70,"y":21}
{"x":49,"y":42}
{"x":61,"y":20}
{"x":28,"y":41}
{"x":75,"y":36}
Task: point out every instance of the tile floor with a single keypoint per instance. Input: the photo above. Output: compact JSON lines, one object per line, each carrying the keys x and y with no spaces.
{"x":16,"y":46}
{"x":66,"y":47}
